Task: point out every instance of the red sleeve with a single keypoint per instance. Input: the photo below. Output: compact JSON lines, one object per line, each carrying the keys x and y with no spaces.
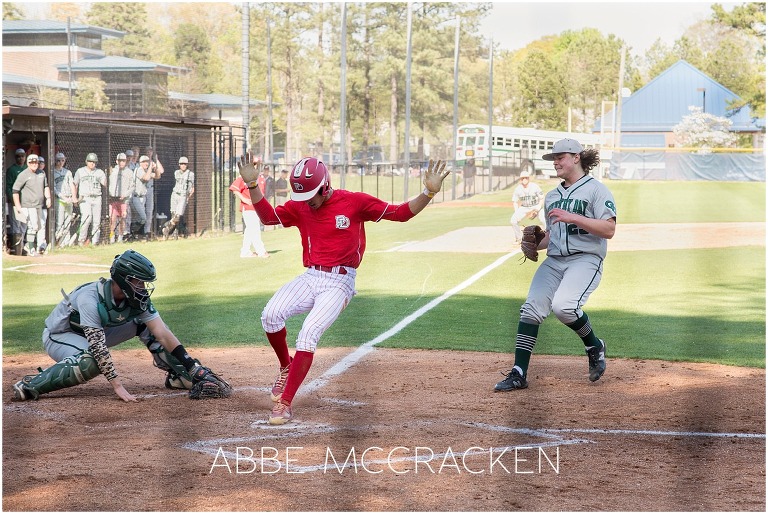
{"x":267,"y":213}
{"x":374,"y":209}
{"x":401,"y":212}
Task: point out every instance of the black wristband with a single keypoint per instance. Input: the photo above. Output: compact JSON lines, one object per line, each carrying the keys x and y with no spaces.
{"x":183,"y":357}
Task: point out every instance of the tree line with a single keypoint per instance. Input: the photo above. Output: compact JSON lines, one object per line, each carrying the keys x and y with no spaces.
{"x":533,"y":87}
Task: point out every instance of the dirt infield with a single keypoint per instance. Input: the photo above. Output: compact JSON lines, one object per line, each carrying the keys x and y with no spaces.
{"x":428,"y":432}
{"x":650,"y":435}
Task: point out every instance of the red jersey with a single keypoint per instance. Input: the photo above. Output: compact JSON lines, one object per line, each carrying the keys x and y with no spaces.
{"x":239,"y":185}
{"x":334,"y":234}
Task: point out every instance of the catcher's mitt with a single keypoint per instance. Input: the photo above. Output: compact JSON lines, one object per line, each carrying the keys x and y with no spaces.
{"x":207,"y":384}
{"x":532,"y":236}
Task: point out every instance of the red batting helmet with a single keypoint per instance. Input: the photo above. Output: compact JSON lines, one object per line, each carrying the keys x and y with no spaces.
{"x":309,"y":176}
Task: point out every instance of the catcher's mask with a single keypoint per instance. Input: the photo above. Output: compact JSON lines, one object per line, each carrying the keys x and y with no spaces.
{"x":134,"y":274}
{"x":309,"y":176}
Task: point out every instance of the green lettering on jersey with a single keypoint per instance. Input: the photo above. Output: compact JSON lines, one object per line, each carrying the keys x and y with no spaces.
{"x":580,"y":207}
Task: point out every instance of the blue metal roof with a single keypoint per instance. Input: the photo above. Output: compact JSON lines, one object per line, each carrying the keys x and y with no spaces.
{"x":118,"y":63}
{"x":663,"y":102}
{"x":55,"y":27}
{"x":10,"y":78}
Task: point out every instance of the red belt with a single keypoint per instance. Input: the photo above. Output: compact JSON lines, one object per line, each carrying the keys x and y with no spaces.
{"x":330,"y":269}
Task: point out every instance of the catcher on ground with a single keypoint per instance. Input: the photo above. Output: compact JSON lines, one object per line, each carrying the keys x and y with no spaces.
{"x":99,"y":315}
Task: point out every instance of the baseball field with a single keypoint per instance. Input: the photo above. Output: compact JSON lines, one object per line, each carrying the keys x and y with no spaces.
{"x":398,"y":412}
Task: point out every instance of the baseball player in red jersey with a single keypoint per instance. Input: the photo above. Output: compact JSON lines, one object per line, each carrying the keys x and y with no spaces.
{"x":331,"y":224}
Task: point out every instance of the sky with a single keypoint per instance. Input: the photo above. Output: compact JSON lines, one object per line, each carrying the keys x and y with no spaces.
{"x":516,"y":23}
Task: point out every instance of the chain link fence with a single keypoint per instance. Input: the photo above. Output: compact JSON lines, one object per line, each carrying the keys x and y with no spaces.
{"x":206,"y":150}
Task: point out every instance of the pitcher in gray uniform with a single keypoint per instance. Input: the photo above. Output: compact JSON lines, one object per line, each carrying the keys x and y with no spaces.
{"x":90,"y":182}
{"x":581,"y":217}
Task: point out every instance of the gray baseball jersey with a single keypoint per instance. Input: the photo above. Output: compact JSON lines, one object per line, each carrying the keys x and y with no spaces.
{"x":121,"y":182}
{"x":31,"y":188}
{"x":587,"y":197}
{"x":62,"y":181}
{"x":185,"y":180}
{"x":89,"y":182}
{"x":90,"y":305}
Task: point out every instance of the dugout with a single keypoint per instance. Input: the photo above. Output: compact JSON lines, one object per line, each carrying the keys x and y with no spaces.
{"x":210,"y":146}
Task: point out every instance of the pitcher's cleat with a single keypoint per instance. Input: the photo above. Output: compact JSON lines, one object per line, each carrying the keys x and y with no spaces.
{"x":596,"y":358}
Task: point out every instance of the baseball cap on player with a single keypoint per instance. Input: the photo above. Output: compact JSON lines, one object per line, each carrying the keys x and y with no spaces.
{"x":563,"y":146}
{"x":60,"y":156}
{"x":308,"y":177}
{"x":121,"y":157}
{"x":32,"y":158}
{"x":129,"y":153}
{"x":20,"y":151}
{"x":525,"y":174}
{"x":183,"y":160}
{"x":143,"y":158}
{"x":91,"y":157}
{"x":41,"y":159}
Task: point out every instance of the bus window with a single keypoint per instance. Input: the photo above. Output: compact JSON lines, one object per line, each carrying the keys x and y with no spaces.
{"x":542,"y":145}
{"x":470,"y":141}
{"x":516,"y":143}
{"x":481,"y":140}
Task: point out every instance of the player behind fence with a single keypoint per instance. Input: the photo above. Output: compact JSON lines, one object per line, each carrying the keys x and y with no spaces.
{"x":581,"y":217}
{"x":90,"y":182}
{"x":31,"y":201}
{"x":182,"y":192}
{"x":331,"y":225}
{"x":121,"y":186}
{"x":99,"y":315}
{"x":66,"y":194}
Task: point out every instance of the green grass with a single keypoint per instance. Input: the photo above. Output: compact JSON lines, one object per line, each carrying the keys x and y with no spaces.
{"x":704,"y":305}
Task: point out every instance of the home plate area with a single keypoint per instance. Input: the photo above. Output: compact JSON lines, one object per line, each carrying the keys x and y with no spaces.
{"x":398,"y":430}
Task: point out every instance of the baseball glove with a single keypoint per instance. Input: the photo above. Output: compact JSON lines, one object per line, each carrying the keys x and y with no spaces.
{"x":533,"y":213}
{"x":207,"y":384}
{"x":532,"y":236}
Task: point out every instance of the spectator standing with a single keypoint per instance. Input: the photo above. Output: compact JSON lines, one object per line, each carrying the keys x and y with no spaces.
{"x":133,"y":157}
{"x":64,"y":190}
{"x":120,"y":193}
{"x":157,"y":170}
{"x":251,"y":223}
{"x":90,"y":182}
{"x":31,"y":198}
{"x":183,"y":190}
{"x":13,"y":171}
{"x":141,"y":176}
{"x":470,"y":170}
{"x":282,"y":188}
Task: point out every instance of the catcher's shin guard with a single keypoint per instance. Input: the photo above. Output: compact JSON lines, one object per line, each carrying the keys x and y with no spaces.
{"x":69,"y":372}
{"x":177,"y":375}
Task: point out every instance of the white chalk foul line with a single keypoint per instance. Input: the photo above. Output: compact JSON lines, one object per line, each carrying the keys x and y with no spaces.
{"x":98,"y":268}
{"x":553,"y":432}
{"x":363,"y":350}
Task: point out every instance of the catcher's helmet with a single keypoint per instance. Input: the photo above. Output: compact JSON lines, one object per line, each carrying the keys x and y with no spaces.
{"x":309,"y":176}
{"x":134,"y":274}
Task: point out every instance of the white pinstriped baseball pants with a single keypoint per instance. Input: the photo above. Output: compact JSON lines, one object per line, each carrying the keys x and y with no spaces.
{"x":323,"y":295}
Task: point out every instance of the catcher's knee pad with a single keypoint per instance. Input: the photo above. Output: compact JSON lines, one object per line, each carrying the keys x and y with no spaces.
{"x":177,"y":376}
{"x":69,"y":372}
